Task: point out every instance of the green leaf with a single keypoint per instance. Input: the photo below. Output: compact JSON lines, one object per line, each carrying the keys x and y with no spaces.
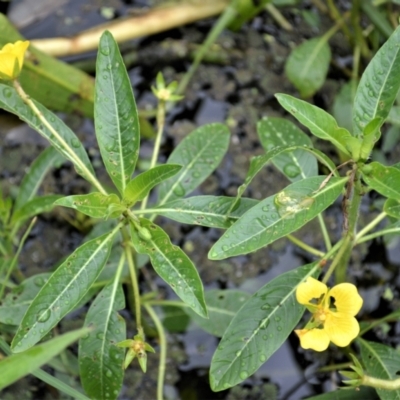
{"x":392,"y":208}
{"x":359,"y":393}
{"x":115,"y":114}
{"x":222,"y":305}
{"x":259,"y":328}
{"x":139,"y":187}
{"x":211,"y":211}
{"x":32,"y":180}
{"x":175,"y":320}
{"x":371,"y":134}
{"x":68,"y":144}
{"x":342,"y":109}
{"x":16,"y":366}
{"x":381,"y":362}
{"x":280,"y":132}
{"x":17,"y":301}
{"x":318,"y":121}
{"x":199,"y":154}
{"x":34,"y":207}
{"x":95,"y":205}
{"x":379,"y":85}
{"x":63,"y":291}
{"x":172,"y":264}
{"x":100,"y":359}
{"x":257,"y":163}
{"x":277,"y":216}
{"x":385,"y":180}
{"x":307,"y":65}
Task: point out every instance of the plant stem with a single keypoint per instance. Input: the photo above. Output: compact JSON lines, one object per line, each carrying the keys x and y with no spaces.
{"x":16,"y":255}
{"x":335,"y":15}
{"x":278,"y":17}
{"x":325,"y":233}
{"x":172,"y":303}
{"x":359,"y":39}
{"x":163,"y":350}
{"x":334,"y":367}
{"x":157,"y":143}
{"x":223,"y":21}
{"x":73,"y":157}
{"x":338,"y":258}
{"x":394,"y":316}
{"x":381,"y":383}
{"x":134,"y":280}
{"x":370,"y":226}
{"x":339,"y":24}
{"x":342,"y":258}
{"x":304,"y":246}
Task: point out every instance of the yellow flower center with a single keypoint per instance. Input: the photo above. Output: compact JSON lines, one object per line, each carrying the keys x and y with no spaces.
{"x":320,"y":315}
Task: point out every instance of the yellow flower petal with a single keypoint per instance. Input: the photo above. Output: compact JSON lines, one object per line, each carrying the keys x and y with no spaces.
{"x":347,"y":299}
{"x":310,"y":289}
{"x":12,"y":59}
{"x":7,"y":63}
{"x":341,"y":328}
{"x":315,"y":339}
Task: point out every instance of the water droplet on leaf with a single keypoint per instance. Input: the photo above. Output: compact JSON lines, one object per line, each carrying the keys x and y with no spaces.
{"x":43,"y":315}
{"x":7,"y":92}
{"x":243,"y":375}
{"x":291,"y":170}
{"x":179,"y":190}
{"x":39,"y":281}
{"x":75,"y":143}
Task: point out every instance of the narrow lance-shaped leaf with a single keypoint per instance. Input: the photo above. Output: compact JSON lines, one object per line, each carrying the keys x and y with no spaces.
{"x":16,"y":366}
{"x":95,"y":205}
{"x":358,"y":393}
{"x":211,"y":211}
{"x":381,"y":362}
{"x":277,"y":216}
{"x":34,"y":207}
{"x":307,"y":65}
{"x":199,"y":154}
{"x":342,"y":109}
{"x":385,"y":180}
{"x":171,"y":263}
{"x":100,"y":359}
{"x":67,"y":144}
{"x":32,"y":180}
{"x":139,"y":187}
{"x":63,"y":291}
{"x":392,"y":208}
{"x":222,"y":305}
{"x":280,"y":132}
{"x":115,"y":114}
{"x":259,"y":328}
{"x":257,"y":163}
{"x":17,"y":301}
{"x":318,"y":121}
{"x":379,"y":85}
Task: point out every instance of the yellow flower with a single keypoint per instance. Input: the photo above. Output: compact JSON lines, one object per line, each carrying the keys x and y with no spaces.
{"x":333,"y":314}
{"x":12,"y":59}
